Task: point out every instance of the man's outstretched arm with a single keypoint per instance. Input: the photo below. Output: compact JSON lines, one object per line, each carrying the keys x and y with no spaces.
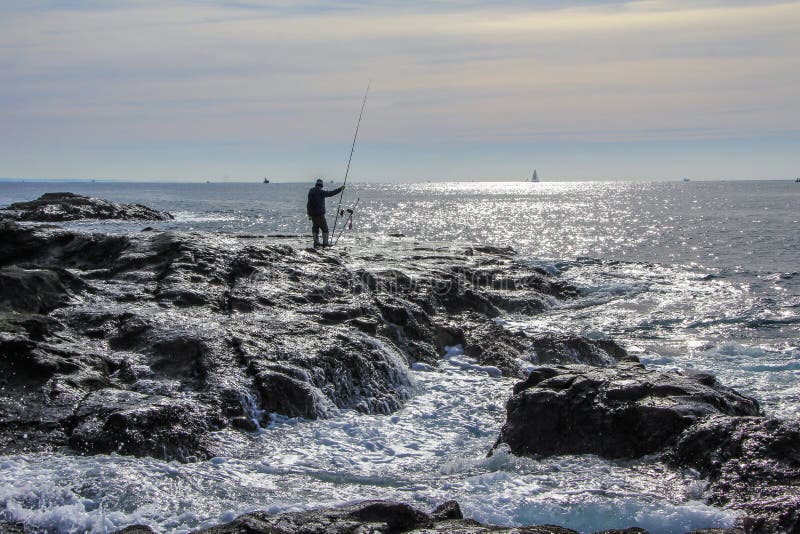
{"x":334,"y":192}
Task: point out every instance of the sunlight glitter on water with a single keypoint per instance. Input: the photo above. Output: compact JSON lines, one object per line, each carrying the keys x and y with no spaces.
{"x":695,"y":275}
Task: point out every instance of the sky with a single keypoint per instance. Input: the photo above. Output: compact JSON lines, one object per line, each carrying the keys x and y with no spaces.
{"x":240,"y":90}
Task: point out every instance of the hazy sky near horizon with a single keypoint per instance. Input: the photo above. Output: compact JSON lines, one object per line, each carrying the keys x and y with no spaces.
{"x":241,"y":89}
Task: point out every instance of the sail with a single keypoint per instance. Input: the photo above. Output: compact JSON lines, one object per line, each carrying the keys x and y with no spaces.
{"x":535,"y":177}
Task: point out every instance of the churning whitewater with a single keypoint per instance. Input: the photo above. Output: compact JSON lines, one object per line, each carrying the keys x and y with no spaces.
{"x":685,"y":276}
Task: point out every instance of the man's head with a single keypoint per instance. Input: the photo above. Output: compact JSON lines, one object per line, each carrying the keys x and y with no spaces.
{"x":319,"y":183}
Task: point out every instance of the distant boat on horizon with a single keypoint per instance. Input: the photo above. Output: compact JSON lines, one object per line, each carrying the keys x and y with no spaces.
{"x":686,"y":180}
{"x":266,"y":181}
{"x":535,"y":177}
{"x":797,"y":180}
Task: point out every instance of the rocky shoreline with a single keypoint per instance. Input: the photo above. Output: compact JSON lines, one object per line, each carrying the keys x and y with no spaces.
{"x":59,"y":207}
{"x":367,"y":517}
{"x":145,"y":344}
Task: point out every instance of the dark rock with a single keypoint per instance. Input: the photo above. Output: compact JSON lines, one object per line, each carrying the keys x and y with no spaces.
{"x":54,"y":207}
{"x":194,"y":332}
{"x":136,"y":529}
{"x":753,"y":464}
{"x":36,"y":290}
{"x":244,"y":423}
{"x":491,"y":344}
{"x":367,"y":516}
{"x":371,"y":516}
{"x":622,"y":411}
{"x":12,"y":528}
{"x":566,"y":349}
{"x":126,"y":422}
{"x":632,"y":530}
{"x":447,"y":510}
{"x":52,"y":247}
{"x":294,"y":397}
{"x":40,"y":384}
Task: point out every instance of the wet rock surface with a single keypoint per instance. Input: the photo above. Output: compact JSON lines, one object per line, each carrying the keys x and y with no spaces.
{"x":144,"y":344}
{"x":753,"y":464}
{"x":54,"y":207}
{"x":614,"y":412}
{"x":378,"y":516}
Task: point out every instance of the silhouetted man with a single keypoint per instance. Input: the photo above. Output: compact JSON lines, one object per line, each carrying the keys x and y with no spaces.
{"x":316,"y":211}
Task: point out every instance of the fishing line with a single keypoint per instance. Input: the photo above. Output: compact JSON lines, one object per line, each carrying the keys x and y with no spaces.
{"x":352,"y":149}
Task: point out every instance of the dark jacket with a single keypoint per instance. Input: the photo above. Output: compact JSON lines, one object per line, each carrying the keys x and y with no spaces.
{"x":316,"y":200}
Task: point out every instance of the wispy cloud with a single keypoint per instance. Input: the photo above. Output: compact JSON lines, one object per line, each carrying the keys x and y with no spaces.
{"x":291,"y":73}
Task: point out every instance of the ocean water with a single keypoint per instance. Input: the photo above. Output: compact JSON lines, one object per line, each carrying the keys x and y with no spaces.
{"x":697,"y":275}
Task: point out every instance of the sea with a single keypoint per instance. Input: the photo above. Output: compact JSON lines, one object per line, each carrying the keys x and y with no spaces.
{"x":686,"y":275}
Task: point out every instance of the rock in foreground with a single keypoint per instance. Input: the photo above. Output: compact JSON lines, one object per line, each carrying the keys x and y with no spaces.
{"x":614,"y":412}
{"x":384,"y":517}
{"x":57,"y":207}
{"x":753,"y":464}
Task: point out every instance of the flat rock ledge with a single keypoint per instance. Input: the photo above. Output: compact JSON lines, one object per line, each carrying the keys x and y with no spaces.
{"x":58,"y":207}
{"x":752,"y":462}
{"x":147,"y":343}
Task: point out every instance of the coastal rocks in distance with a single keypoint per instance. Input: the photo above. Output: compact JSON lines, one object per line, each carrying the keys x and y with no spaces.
{"x":753,"y":464}
{"x":148,"y":343}
{"x":57,"y":207}
{"x":613,"y":412}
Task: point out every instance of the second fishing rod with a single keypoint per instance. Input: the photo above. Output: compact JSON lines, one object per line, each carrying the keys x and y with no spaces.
{"x":349,"y":160}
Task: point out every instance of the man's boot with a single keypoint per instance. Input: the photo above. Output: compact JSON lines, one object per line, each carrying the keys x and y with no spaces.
{"x":325,"y":242}
{"x":316,"y":239}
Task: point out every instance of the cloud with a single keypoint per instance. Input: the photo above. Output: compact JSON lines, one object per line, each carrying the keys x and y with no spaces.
{"x":444,"y":72}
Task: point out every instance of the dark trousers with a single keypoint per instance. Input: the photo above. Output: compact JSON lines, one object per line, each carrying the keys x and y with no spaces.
{"x":318,"y":223}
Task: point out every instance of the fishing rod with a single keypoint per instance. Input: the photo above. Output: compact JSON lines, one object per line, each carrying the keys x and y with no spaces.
{"x":349,"y":222}
{"x":352,"y":149}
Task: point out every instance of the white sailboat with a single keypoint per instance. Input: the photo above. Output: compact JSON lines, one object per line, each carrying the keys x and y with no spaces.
{"x":535,"y":177}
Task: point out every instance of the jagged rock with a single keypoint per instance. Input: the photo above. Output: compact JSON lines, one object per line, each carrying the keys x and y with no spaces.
{"x":753,"y":464}
{"x":370,"y":516}
{"x":53,"y":207}
{"x":614,"y":412}
{"x":126,"y":422}
{"x":385,"y":517}
{"x":566,"y":349}
{"x":446,"y":511}
{"x":40,"y":384}
{"x":367,"y":516}
{"x":36,"y":290}
{"x":194,"y":332}
{"x":34,"y":325}
{"x":136,"y":529}
{"x":53,"y":247}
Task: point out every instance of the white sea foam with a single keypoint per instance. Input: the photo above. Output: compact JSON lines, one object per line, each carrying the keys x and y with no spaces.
{"x":695,"y":294}
{"x":455,"y":356}
{"x":432,"y":450}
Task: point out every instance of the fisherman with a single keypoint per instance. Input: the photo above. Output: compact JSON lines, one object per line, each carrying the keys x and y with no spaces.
{"x":316,"y":211}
